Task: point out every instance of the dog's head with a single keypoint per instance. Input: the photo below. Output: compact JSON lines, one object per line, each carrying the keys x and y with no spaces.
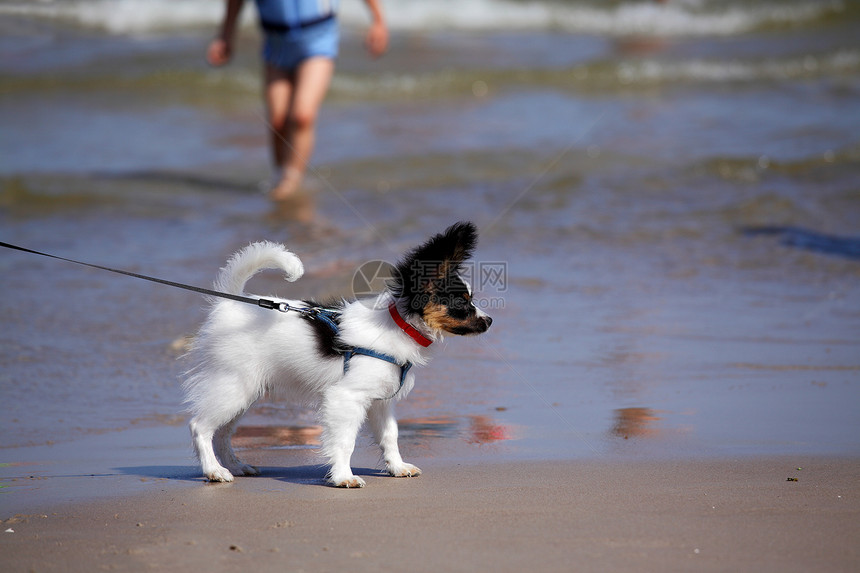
{"x":428,"y":283}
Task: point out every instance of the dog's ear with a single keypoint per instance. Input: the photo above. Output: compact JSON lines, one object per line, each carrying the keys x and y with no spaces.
{"x":450,"y":248}
{"x":443,"y":254}
{"x":438,"y":258}
{"x":460,"y":239}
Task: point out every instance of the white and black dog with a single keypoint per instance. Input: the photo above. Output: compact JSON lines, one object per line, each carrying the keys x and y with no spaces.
{"x":351,"y":360}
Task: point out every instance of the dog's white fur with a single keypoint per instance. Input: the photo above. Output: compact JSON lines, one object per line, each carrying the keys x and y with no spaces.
{"x":242,"y":352}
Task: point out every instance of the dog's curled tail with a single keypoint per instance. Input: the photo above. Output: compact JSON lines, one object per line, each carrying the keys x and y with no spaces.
{"x":253,"y":259}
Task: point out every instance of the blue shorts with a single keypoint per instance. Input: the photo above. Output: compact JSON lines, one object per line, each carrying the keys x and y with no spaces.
{"x":286,"y":49}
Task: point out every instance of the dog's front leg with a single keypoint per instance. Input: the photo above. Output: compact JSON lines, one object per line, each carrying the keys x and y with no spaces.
{"x":343,"y":411}
{"x":384,"y":426}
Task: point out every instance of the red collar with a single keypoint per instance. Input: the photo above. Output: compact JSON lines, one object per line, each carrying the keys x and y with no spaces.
{"x":408,"y":328}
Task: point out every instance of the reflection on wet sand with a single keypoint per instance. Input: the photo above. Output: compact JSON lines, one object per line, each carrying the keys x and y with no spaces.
{"x":299,"y":207}
{"x":417,"y":429}
{"x":635,"y":422}
{"x":285,"y":437}
{"x":477,"y":430}
{"x":480,"y":429}
{"x":484,"y":430}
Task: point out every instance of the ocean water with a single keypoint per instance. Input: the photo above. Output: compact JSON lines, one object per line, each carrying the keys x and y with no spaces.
{"x":667,"y":195}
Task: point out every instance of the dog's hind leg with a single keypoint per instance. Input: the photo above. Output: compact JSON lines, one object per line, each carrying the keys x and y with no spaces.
{"x":224,"y":449}
{"x":213,"y":425}
{"x":384,"y":426}
{"x":203,"y":429}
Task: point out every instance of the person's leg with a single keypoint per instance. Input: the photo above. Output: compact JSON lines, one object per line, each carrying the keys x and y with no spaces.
{"x":310,"y":82}
{"x":278,"y":92}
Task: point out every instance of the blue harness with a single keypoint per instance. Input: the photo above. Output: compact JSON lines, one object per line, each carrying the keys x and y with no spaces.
{"x":329,"y":317}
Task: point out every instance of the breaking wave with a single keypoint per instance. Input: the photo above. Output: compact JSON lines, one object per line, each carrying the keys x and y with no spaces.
{"x":642,"y":17}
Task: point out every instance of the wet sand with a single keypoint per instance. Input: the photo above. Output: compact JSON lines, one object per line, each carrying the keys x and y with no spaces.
{"x":718,"y":515}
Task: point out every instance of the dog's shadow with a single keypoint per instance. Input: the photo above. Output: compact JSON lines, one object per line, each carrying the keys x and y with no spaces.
{"x":301,"y":475}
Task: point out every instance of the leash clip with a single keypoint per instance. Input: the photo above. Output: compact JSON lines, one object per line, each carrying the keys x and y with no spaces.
{"x":272,"y":305}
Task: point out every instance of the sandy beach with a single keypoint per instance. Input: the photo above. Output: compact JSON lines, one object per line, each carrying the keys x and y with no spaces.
{"x":721,"y":515}
{"x":666,"y":196}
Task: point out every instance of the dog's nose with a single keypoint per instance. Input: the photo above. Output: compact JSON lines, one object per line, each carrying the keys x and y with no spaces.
{"x":489,"y":321}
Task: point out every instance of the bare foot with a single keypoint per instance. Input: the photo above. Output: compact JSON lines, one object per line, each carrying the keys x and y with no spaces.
{"x":287,"y":187}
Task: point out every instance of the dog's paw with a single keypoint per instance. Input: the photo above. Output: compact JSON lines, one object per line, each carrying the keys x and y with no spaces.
{"x":219,"y":475}
{"x":404,"y":470}
{"x":348,"y":482}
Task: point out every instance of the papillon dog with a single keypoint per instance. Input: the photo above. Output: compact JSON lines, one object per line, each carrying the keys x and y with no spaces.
{"x":351,"y":360}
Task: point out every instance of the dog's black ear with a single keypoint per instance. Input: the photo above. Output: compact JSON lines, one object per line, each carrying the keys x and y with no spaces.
{"x":436,"y":259}
{"x":451,"y":247}
{"x":461,"y":239}
{"x":447,"y":250}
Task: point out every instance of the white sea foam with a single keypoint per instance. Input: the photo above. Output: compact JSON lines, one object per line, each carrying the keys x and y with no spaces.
{"x":721,"y":71}
{"x":648,"y":71}
{"x":628,"y":74}
{"x":121,"y":16}
{"x":675,"y":18}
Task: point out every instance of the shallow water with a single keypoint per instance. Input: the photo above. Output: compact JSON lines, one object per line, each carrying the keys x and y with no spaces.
{"x":673,"y":214}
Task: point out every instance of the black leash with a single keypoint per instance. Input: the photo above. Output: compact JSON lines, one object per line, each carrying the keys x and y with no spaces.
{"x":262,"y":302}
